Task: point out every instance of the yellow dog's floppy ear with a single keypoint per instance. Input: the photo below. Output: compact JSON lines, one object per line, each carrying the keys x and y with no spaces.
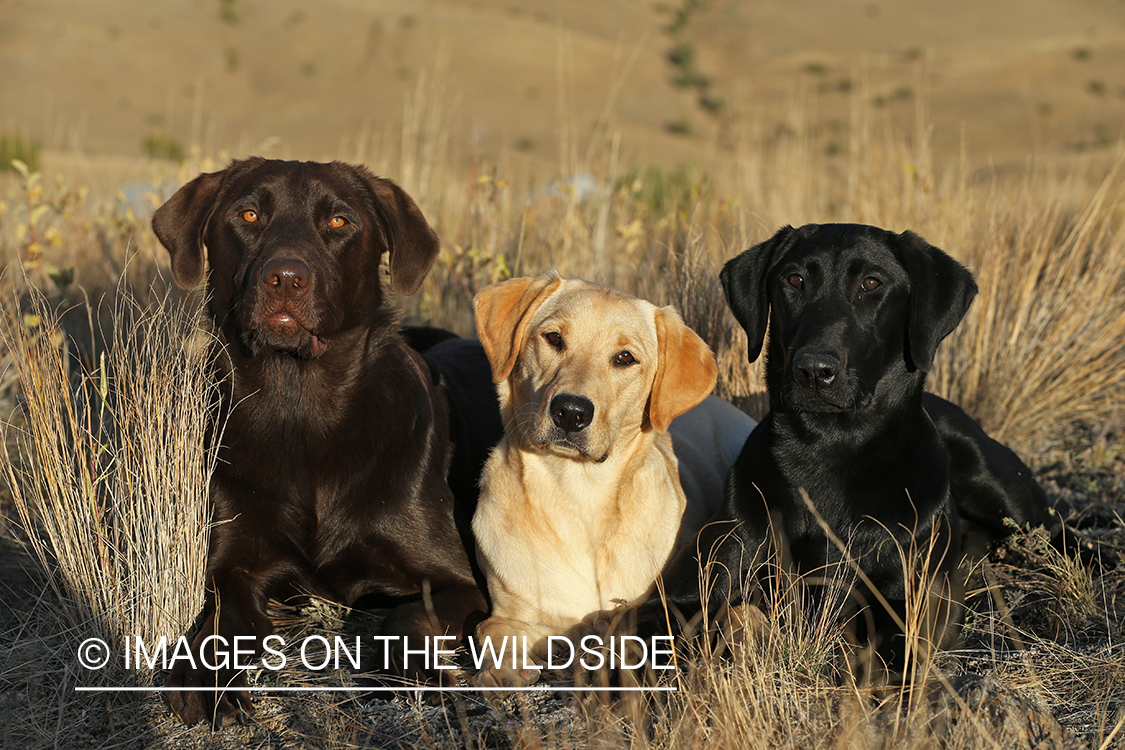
{"x":503,"y":312}
{"x":686,"y":371}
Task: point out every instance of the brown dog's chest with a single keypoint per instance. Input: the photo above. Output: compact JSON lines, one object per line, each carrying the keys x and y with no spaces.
{"x":320,"y":467}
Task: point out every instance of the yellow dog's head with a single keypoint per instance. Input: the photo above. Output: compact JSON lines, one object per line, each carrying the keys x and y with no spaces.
{"x":582,"y":368}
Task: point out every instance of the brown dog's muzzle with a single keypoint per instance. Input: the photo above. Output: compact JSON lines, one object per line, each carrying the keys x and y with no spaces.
{"x":283,"y":318}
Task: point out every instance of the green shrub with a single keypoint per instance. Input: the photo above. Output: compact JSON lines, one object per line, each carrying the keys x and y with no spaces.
{"x":159,"y":146}
{"x":14,"y":147}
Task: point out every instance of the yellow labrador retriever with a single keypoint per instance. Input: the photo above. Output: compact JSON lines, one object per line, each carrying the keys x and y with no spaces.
{"x":582,"y":503}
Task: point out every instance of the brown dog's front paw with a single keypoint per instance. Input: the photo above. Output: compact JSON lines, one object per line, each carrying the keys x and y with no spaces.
{"x":216,"y":708}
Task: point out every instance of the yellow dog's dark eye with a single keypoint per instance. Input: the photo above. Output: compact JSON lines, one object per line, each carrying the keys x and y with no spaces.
{"x":625,"y":359}
{"x":250,"y":216}
{"x":796,"y":280}
{"x":554,"y":338}
{"x":871,"y":283}
{"x":337,"y":221}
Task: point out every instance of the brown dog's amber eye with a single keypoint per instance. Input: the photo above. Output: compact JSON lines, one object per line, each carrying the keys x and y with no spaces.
{"x":625,"y":359}
{"x":554,"y":339}
{"x":796,"y":280}
{"x":250,"y":216}
{"x":337,"y":221}
{"x":871,"y":283}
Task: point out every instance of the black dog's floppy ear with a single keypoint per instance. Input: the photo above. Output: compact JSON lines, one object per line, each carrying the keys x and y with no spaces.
{"x":941,"y":290}
{"x":744,"y":284}
{"x":412,"y":245}
{"x":181,"y":222}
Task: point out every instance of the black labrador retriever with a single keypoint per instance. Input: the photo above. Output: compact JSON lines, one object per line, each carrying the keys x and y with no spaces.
{"x":349,"y":462}
{"x":855,"y":472}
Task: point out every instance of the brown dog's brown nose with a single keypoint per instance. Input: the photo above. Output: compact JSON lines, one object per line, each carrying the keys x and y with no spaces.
{"x":285,"y":278}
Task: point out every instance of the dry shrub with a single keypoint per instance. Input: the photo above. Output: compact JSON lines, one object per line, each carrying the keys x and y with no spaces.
{"x":110,"y":473}
{"x":1041,"y":346}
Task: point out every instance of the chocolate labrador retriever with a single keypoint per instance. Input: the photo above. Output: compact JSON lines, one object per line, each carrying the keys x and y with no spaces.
{"x":341,"y":443}
{"x":858,"y":473}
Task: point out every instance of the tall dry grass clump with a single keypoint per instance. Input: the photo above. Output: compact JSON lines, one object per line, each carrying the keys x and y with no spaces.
{"x":110,"y":472}
{"x":1042,"y":345}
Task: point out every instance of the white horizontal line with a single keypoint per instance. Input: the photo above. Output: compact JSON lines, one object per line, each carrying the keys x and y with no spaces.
{"x":404,"y":688}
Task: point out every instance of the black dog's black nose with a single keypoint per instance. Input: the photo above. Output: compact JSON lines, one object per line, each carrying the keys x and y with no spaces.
{"x":286,"y":277}
{"x":571,"y":413}
{"x":815,"y":368}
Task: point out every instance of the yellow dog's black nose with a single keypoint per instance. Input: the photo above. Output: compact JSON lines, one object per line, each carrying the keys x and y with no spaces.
{"x":571,"y":413}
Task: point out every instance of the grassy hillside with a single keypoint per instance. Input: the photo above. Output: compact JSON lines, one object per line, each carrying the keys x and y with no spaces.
{"x":541,"y":79}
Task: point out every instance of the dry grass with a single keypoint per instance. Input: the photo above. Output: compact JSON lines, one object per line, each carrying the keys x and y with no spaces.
{"x":107,"y":470}
{"x":111,"y":480}
{"x":108,"y":475}
{"x":1041,"y":345}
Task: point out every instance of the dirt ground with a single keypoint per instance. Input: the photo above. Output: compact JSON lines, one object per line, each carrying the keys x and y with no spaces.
{"x":1029,"y":690}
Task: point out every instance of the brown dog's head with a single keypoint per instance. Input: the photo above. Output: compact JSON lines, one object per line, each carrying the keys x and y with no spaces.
{"x":581,"y":368}
{"x":294,"y":249}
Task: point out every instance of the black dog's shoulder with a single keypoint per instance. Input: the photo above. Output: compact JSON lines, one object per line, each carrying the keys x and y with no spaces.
{"x":423,"y":338}
{"x":995,"y":491}
{"x":990,"y":482}
{"x":474,"y":415}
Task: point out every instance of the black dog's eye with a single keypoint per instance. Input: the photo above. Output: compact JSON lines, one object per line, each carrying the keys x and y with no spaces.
{"x":624,"y":359}
{"x":554,"y":338}
{"x":796,"y":280}
{"x":870,"y":284}
{"x":250,"y":216}
{"x":336,"y":222}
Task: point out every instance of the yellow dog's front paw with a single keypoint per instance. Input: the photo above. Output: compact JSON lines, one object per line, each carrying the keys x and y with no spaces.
{"x":505,"y":677}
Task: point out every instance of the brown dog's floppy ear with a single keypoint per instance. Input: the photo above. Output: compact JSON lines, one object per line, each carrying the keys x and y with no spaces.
{"x":941,"y":290}
{"x":503,"y":313}
{"x":181,"y":222}
{"x":412,"y":245}
{"x":685,"y":372}
{"x":744,"y":284}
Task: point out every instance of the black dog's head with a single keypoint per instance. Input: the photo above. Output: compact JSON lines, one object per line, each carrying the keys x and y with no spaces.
{"x":850,"y":304}
{"x":294,"y":249}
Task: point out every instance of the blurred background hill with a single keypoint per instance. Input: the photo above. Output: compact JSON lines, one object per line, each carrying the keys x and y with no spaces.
{"x":540,"y":81}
